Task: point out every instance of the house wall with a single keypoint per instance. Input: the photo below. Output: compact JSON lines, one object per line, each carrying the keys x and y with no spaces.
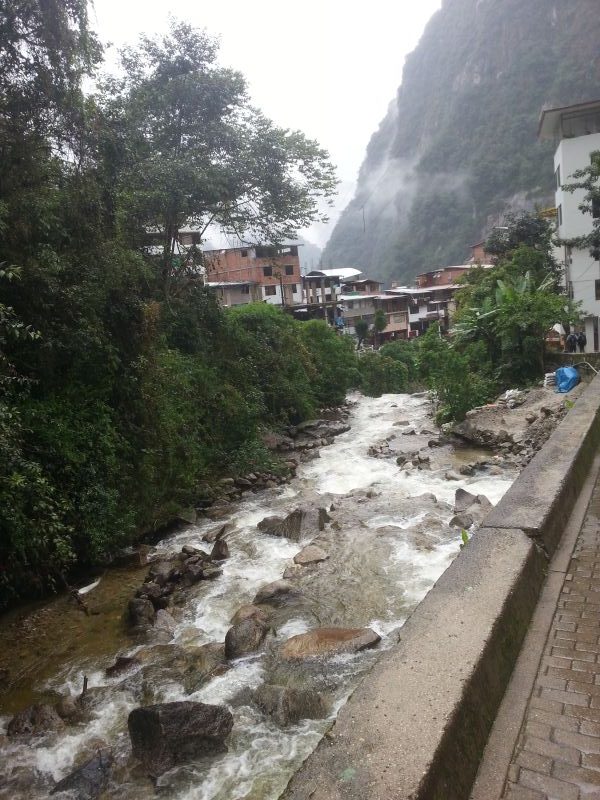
{"x":582,"y":272}
{"x":242,"y":264}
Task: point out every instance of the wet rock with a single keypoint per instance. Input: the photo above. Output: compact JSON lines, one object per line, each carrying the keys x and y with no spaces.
{"x":463,"y":500}
{"x":140,"y":613}
{"x":188,"y":515}
{"x":220,"y":550}
{"x":122,"y":664}
{"x":322,"y":518}
{"x":190,"y":550}
{"x":35,"y":720}
{"x":210,"y":573}
{"x":243,"y":483}
{"x":293,"y":571}
{"x":289,"y":527}
{"x":88,"y":781}
{"x":408,"y":432}
{"x":287,"y":706}
{"x":462,"y":520}
{"x":244,"y":637}
{"x":173,"y":733}
{"x":191,"y":573}
{"x":69,"y":709}
{"x":159,"y":572}
{"x":328,"y":642}
{"x":250,"y":612}
{"x":466,"y":469}
{"x":204,"y":663}
{"x":275,"y":593}
{"x":164,"y":622}
{"x":452,"y":476}
{"x":218,"y":533}
{"x":310,"y":555}
{"x":485,"y":504}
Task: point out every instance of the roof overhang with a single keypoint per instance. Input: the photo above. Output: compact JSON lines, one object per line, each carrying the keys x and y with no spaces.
{"x":549,"y":124}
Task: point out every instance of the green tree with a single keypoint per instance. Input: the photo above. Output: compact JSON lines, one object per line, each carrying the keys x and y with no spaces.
{"x":194,"y":152}
{"x":361,"y":327}
{"x":379,"y":323}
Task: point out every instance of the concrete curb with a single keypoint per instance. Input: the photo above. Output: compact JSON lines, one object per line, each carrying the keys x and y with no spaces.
{"x":417,"y":725}
{"x":541,"y":499}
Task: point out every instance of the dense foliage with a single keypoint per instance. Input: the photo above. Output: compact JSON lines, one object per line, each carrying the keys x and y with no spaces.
{"x":503,"y":315}
{"x":123,"y":385}
{"x":459,"y":145}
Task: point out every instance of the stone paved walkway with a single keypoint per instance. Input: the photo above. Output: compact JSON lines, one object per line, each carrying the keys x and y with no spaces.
{"x":558,"y":752}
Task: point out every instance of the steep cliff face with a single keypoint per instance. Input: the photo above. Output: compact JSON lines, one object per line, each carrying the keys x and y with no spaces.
{"x":458,"y":146}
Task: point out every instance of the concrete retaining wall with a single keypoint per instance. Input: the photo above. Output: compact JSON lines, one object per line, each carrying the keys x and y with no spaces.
{"x":417,"y":725}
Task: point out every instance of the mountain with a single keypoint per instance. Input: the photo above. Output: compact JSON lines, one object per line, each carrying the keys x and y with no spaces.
{"x":458,"y":146}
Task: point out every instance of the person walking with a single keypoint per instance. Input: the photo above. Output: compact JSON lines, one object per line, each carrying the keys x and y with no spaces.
{"x":571,"y":342}
{"x":581,"y":341}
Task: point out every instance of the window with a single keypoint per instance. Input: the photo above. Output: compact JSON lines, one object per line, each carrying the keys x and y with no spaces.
{"x":596,"y":207}
{"x":244,"y":254}
{"x":557,"y":178}
{"x":597,"y":284}
{"x":570,"y":292}
{"x":294,"y":288}
{"x":270,"y":291}
{"x":268,"y":272}
{"x":245,"y":289}
{"x":559,"y":215}
{"x":289,"y":269}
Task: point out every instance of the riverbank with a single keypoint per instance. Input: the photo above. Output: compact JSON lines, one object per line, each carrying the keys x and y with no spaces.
{"x":386,"y":542}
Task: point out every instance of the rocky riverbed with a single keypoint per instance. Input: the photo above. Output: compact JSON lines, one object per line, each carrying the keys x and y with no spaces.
{"x":248,"y":627}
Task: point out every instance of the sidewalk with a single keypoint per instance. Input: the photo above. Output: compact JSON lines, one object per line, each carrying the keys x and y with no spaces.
{"x":556,"y":755}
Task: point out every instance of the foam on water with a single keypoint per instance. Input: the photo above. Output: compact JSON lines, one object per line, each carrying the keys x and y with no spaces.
{"x":261,"y":755}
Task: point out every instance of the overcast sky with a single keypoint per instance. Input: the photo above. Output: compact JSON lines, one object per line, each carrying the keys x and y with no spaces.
{"x":327,"y":67}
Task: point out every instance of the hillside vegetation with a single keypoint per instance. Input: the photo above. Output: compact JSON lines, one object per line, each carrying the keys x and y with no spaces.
{"x":459,"y":146}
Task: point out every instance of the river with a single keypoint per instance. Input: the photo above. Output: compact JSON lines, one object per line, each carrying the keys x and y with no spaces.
{"x":388,"y":542}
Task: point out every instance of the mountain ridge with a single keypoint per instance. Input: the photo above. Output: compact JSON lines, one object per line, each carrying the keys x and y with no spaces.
{"x":458,"y":147}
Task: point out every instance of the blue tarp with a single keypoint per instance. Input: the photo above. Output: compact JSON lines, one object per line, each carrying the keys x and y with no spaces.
{"x":566,"y":379}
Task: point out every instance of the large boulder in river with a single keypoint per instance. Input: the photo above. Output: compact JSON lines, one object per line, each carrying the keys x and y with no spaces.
{"x":250,"y":611}
{"x":328,"y":642}
{"x":276,"y":593}
{"x":88,"y":781}
{"x":310,"y":555}
{"x":245,"y":637}
{"x":35,"y":720}
{"x":173,"y":733}
{"x":140,"y":613}
{"x":220,"y":550}
{"x":463,"y":500}
{"x":204,"y":663}
{"x":300,"y":522}
{"x":287,"y":706}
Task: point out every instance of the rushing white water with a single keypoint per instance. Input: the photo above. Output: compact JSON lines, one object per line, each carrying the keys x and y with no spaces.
{"x":382,"y":554}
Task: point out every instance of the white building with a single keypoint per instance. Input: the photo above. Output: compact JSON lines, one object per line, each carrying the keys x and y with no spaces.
{"x":576,"y":131}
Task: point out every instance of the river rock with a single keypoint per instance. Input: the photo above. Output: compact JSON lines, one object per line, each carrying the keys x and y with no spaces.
{"x":292,"y":572}
{"x":310,"y":555}
{"x":220,"y":550}
{"x":452,"y":476}
{"x":88,"y":781}
{"x":250,"y":612}
{"x":218,"y":533}
{"x":275,"y":593}
{"x":328,"y":642}
{"x":463,"y":500}
{"x":167,"y":734}
{"x":244,"y":637}
{"x":122,"y":664}
{"x":69,"y":709}
{"x":287,"y":706}
{"x":204,"y":663}
{"x":289,"y":527}
{"x":462,"y":521}
{"x":164,"y":622}
{"x":140,"y":613}
{"x":35,"y":720}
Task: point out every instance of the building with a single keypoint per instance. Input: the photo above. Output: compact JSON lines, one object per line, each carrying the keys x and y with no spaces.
{"x":444,"y":276}
{"x":259,"y":274}
{"x":323,"y":285}
{"x":361,"y":286}
{"x":426,"y":305}
{"x":478,"y":254}
{"x":362,"y":306}
{"x":576,"y":132}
